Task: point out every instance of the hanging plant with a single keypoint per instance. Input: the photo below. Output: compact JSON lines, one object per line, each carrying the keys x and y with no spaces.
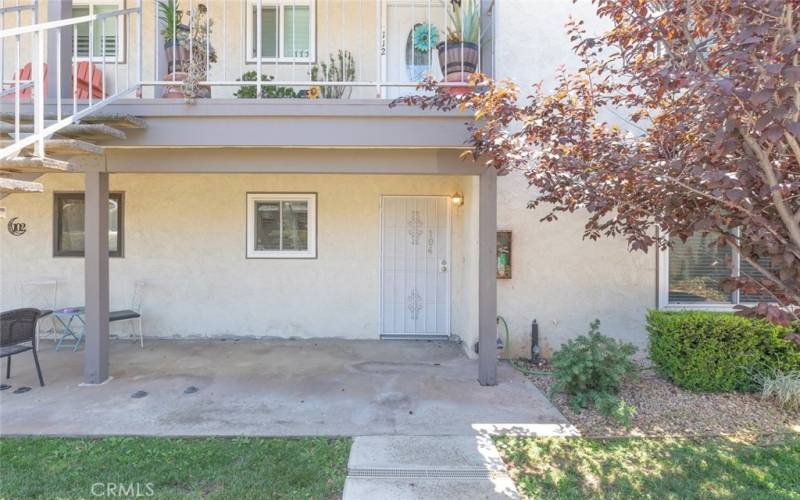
{"x":426,"y":36}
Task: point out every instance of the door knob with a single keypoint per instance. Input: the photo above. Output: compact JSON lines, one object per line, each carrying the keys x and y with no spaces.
{"x":443,"y":266}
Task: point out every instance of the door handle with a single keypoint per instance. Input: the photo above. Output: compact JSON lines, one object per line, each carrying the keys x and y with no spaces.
{"x":443,"y":266}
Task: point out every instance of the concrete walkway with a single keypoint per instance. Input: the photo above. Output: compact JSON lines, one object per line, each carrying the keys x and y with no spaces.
{"x":426,"y":467}
{"x":275,"y":388}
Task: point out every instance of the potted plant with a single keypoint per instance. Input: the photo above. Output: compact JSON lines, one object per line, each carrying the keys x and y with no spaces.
{"x":187,"y":49}
{"x":460,"y":53}
{"x":341,"y":68}
{"x":176,"y":52}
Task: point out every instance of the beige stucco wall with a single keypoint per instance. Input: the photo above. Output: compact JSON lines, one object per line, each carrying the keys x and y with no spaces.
{"x":558,"y":278}
{"x":185,"y":235}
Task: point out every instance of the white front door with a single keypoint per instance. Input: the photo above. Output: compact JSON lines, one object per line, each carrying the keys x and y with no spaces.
{"x":415,"y":266}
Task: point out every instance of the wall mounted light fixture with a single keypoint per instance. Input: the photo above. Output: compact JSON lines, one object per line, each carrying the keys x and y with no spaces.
{"x":457,"y":199}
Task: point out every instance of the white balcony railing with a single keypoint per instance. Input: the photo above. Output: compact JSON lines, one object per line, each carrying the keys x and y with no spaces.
{"x":341,"y":48}
{"x":335,"y":49}
{"x":28,"y":47}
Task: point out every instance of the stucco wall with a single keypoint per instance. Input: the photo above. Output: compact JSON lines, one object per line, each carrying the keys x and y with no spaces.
{"x":185,"y":235}
{"x":558,"y":278}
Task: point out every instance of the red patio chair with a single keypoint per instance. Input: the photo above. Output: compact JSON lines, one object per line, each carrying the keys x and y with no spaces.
{"x":26,"y":73}
{"x":82,"y":78}
{"x":82,"y":91}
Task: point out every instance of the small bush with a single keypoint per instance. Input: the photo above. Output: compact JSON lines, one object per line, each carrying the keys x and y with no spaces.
{"x":717,"y":352}
{"x":782,"y":387}
{"x":267,"y":91}
{"x":590,"y":370}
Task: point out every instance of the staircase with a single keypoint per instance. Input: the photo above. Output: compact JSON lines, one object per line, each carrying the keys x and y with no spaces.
{"x":77,"y":130}
{"x":17,"y":174}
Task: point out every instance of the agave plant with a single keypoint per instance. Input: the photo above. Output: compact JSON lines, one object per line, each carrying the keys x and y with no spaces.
{"x":465,"y":21}
{"x":171,"y":18}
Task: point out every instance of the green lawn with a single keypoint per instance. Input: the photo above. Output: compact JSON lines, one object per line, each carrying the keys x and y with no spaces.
{"x":653,"y":468}
{"x":173,"y":468}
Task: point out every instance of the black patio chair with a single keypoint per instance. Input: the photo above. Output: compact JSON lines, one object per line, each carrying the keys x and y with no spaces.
{"x":17,"y":328}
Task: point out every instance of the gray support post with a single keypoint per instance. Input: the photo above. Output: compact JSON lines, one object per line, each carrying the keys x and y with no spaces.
{"x":57,"y":10}
{"x":487,"y":277}
{"x":95,"y":370}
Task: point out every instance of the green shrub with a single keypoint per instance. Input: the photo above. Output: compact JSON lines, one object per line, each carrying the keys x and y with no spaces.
{"x":590,"y":370}
{"x":717,"y":352}
{"x":267,"y":91}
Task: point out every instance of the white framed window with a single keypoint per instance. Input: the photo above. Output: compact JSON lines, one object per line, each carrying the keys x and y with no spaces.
{"x":282,"y":225}
{"x":113,"y":44}
{"x":691,"y":275}
{"x":288,"y":30}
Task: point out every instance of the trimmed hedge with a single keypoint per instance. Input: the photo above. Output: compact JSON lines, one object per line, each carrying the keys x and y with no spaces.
{"x":717,"y":352}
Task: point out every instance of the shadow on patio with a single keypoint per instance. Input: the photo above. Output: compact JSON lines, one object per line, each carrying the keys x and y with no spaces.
{"x":274,"y":388}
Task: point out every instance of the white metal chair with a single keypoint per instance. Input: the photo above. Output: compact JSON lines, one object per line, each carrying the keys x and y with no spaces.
{"x":40,"y":294}
{"x":134,"y":313}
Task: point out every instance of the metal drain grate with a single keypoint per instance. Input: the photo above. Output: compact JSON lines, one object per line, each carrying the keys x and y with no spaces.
{"x":463,"y":473}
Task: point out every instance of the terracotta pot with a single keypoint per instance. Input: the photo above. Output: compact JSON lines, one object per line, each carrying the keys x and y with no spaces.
{"x":461,"y":58}
{"x":457,"y":78}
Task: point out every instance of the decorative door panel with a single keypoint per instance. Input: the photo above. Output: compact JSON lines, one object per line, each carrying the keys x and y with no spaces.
{"x":415,"y":266}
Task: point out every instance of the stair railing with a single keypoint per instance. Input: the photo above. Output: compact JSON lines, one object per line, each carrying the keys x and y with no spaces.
{"x":32,"y":91}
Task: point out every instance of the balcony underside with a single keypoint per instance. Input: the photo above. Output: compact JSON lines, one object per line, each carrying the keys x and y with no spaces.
{"x":298,"y":123}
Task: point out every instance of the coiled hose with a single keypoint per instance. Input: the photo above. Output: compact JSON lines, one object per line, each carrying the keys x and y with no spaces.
{"x":521,"y":369}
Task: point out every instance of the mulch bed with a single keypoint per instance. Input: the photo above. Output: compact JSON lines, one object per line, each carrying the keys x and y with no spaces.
{"x":663,"y":409}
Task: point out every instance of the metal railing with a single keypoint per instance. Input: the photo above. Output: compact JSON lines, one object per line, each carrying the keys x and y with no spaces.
{"x":311,"y":48}
{"x":35,"y":41}
{"x":293,"y":39}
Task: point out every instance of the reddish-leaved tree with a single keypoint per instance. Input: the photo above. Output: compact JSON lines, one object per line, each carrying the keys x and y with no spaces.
{"x":708,"y":96}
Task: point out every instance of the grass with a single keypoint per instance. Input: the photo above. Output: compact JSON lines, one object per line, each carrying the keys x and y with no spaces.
{"x":37,"y":467}
{"x":653,"y":468}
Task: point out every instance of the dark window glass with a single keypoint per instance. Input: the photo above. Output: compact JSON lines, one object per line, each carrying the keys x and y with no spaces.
{"x":69,"y":237}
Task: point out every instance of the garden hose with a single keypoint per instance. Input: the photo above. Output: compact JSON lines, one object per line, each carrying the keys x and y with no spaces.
{"x":521,"y":369}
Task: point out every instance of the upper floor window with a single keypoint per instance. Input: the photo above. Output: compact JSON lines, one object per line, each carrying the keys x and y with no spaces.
{"x":691,"y":275}
{"x":107,"y":34}
{"x":69,"y":237}
{"x":287,"y":30}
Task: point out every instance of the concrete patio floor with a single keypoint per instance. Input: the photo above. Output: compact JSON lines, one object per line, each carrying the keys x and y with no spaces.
{"x":274,"y":388}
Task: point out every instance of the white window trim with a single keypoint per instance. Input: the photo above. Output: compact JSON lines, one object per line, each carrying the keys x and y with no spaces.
{"x":311,"y":253}
{"x":249,"y":36}
{"x":122,"y":48}
{"x":663,"y":290}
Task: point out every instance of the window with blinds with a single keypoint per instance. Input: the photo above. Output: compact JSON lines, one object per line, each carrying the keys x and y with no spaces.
{"x":696,"y":269}
{"x":287,"y":31}
{"x":103,"y":40}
